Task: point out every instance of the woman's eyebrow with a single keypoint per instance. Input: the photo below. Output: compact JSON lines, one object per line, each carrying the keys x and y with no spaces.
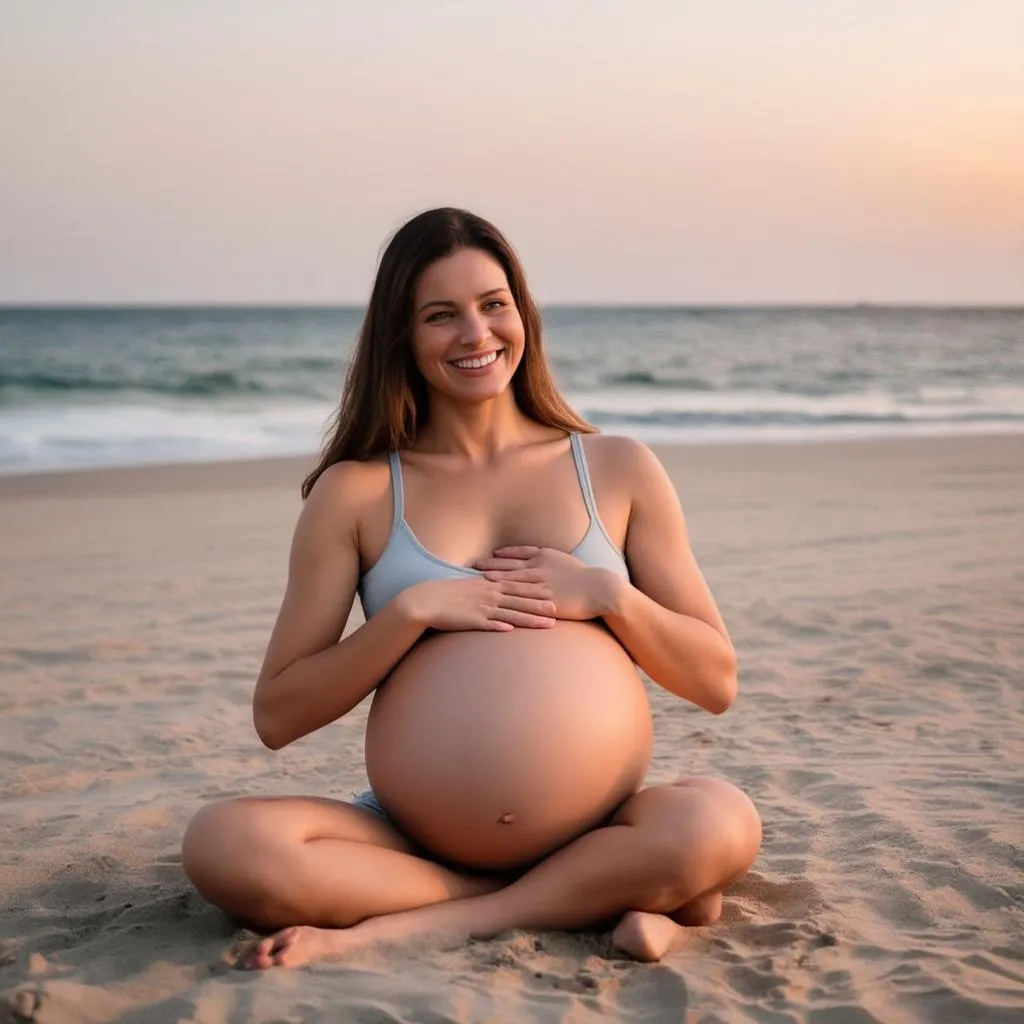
{"x":448,"y":302}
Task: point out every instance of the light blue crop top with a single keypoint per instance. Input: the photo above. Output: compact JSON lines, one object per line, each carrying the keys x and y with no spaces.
{"x":406,"y":561}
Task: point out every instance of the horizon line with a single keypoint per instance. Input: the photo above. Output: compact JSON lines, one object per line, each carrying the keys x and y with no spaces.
{"x":781,"y":305}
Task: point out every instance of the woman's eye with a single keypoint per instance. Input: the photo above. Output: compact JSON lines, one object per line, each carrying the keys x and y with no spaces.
{"x":446,"y":314}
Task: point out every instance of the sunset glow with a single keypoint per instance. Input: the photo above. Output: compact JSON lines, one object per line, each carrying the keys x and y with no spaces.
{"x":646,"y":152}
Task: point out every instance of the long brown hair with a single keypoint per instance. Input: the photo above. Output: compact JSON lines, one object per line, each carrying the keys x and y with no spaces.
{"x":384,"y":398}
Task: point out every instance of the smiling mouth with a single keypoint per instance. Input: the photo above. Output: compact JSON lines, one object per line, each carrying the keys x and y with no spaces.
{"x":476,"y":362}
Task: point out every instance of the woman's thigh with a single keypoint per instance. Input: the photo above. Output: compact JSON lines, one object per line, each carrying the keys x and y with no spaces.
{"x":277,"y":861}
{"x":236,"y":824}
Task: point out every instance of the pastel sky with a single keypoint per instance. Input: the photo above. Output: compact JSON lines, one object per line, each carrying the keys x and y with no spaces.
{"x":720,"y":151}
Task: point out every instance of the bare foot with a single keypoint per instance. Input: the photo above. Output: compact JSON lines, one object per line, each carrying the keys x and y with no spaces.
{"x":301,"y":944}
{"x":645,"y":936}
{"x":704,"y":910}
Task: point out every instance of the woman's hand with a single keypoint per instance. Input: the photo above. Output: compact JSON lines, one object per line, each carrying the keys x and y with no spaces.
{"x":576,"y":589}
{"x":477,"y":603}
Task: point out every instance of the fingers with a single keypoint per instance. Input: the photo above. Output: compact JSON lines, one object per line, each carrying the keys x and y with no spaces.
{"x":523,"y":619}
{"x":515,"y":575}
{"x":525,"y":588}
{"x":518,"y":551}
{"x":533,"y":605}
{"x":490,"y":564}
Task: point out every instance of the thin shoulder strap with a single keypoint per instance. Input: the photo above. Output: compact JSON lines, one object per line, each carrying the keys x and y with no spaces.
{"x":583,"y":473}
{"x":396,"y":487}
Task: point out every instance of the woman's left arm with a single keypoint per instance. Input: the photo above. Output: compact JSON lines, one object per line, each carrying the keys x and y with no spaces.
{"x":666,"y":617}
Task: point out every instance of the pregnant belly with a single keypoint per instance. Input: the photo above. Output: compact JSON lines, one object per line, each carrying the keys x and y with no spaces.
{"x":493,"y":749}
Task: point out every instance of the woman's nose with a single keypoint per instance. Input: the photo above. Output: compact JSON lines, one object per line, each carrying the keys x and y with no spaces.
{"x":474,"y":328}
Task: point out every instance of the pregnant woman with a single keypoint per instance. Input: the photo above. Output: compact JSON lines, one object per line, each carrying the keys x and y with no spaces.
{"x":514,"y":568}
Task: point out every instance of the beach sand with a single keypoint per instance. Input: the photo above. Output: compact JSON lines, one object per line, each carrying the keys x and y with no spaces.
{"x":875,"y":593}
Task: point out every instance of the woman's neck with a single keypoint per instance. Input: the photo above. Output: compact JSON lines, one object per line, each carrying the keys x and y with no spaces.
{"x":477,"y":432}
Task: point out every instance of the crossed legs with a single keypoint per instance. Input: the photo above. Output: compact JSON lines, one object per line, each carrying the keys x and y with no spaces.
{"x":333,"y":878}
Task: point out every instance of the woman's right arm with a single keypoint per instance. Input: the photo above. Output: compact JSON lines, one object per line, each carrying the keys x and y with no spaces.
{"x":308,"y":678}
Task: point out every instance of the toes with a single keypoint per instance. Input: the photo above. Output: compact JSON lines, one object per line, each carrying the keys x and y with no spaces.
{"x":286,"y":953}
{"x":270,"y":951}
{"x":300,"y":944}
{"x":259,"y":960}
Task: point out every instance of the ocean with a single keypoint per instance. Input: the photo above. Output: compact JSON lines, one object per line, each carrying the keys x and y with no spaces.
{"x":129,"y":386}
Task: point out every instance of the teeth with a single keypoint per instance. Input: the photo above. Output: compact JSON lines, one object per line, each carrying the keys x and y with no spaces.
{"x":475,"y":364}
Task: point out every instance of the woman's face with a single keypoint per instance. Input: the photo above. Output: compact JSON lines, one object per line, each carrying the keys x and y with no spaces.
{"x":467,"y":335}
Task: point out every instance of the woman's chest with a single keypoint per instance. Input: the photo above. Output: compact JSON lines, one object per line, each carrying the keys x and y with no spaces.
{"x":461,"y":519}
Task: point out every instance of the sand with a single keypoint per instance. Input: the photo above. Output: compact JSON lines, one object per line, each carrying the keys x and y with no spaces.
{"x":875,"y":592}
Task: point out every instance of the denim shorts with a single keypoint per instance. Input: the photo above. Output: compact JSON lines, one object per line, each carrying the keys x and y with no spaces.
{"x":367,"y":799}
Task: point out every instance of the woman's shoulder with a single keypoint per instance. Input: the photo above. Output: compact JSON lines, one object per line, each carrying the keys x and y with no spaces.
{"x":633,"y":473}
{"x":350,"y":487}
{"x":352,"y":472}
{"x":617,"y":457}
